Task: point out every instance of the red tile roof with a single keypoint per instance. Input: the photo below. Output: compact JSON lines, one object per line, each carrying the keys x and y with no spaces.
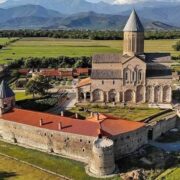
{"x":69,"y":125}
{"x":50,"y":72}
{"x":113,"y":126}
{"x":82,"y":70}
{"x":110,"y":125}
{"x":23,"y":71}
{"x":84,"y":82}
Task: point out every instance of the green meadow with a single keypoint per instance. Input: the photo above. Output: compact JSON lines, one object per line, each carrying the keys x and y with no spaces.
{"x":12,"y":169}
{"x":22,"y":96}
{"x":5,"y":40}
{"x":49,"y":47}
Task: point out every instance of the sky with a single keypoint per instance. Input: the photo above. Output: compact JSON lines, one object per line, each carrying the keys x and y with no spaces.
{"x":123,"y":1}
{"x":131,"y":1}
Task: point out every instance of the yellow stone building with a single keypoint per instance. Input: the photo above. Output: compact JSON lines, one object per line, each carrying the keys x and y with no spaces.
{"x":134,"y":76}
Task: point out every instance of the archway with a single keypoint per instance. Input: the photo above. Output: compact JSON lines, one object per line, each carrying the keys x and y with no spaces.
{"x":88,"y":96}
{"x":112,"y":95}
{"x":98,"y":95}
{"x":140,"y":93}
{"x":81,"y":96}
{"x":166,"y":94}
{"x":128,"y":96}
{"x":148,"y":94}
{"x":157,"y":94}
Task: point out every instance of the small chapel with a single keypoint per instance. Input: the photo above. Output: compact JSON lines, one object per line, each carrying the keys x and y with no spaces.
{"x":131,"y":77}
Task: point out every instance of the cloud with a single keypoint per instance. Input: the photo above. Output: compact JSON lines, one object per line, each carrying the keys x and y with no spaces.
{"x":1,"y":1}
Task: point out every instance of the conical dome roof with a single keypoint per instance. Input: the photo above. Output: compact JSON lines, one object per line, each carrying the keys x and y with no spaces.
{"x":5,"y":91}
{"x":133,"y":24}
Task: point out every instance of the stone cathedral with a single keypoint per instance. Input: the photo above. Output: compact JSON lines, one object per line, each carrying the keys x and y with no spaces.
{"x":132,"y":77}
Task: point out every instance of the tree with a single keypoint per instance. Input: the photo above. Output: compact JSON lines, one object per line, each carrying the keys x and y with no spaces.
{"x":39,"y":85}
{"x":177,"y":46}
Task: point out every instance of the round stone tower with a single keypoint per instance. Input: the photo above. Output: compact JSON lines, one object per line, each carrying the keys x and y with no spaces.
{"x":102,"y":161}
{"x":133,"y":36}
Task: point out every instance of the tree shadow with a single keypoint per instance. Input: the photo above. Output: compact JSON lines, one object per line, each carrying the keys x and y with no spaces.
{"x":5,"y":175}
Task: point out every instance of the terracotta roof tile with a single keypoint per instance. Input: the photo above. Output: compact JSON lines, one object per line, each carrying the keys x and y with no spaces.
{"x":50,"y":73}
{"x":70,"y":125}
{"x":110,"y":125}
{"x":84,"y":82}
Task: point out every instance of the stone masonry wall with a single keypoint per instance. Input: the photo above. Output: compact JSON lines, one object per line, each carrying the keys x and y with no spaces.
{"x":71,"y":145}
{"x":163,"y":126}
{"x":130,"y":142}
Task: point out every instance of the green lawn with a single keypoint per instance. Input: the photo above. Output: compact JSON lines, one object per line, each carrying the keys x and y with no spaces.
{"x":11,"y":169}
{"x":69,"y":168}
{"x":5,"y":40}
{"x":22,"y":96}
{"x":170,"y":174}
{"x":134,"y":114}
{"x":49,"y":47}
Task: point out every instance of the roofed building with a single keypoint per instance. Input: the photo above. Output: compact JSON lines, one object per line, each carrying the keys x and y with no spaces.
{"x":134,"y":76}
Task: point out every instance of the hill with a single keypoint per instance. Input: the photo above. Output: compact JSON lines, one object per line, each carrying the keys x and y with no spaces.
{"x":27,"y":11}
{"x":37,"y":17}
{"x":162,"y":11}
{"x":169,"y":15}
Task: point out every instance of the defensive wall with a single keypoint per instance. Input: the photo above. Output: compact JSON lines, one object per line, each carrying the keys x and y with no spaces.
{"x":129,"y":142}
{"x":158,"y":128}
{"x":71,"y":145}
{"x":96,"y":153}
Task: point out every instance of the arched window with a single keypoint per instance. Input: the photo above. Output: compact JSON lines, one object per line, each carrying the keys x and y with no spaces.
{"x":140,"y":76}
{"x":102,"y":82}
{"x":133,"y":76}
{"x":126,"y":76}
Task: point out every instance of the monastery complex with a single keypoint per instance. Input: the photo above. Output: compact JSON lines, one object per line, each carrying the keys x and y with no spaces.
{"x":100,"y":139}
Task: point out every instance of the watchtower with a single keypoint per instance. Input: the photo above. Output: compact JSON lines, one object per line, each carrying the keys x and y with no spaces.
{"x":102,"y":162}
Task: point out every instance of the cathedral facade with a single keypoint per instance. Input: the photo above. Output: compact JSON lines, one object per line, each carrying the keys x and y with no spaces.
{"x":134,"y":76}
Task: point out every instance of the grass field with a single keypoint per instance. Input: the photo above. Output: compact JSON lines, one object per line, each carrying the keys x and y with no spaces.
{"x":170,"y":174}
{"x":22,"y":96}
{"x":11,"y":169}
{"x":5,"y":40}
{"x":134,"y":114}
{"x":66,"y":167}
{"x":49,"y":47}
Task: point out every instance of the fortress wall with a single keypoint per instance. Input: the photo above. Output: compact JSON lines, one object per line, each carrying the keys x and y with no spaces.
{"x":130,"y":142}
{"x":72,"y":145}
{"x":163,"y":126}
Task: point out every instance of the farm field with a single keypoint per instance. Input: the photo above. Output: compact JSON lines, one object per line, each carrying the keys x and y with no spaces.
{"x":5,"y":40}
{"x":12,"y":169}
{"x":49,"y":47}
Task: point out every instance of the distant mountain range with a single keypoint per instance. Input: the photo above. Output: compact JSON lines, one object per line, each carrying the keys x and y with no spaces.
{"x":77,"y":6}
{"x":36,"y":17}
{"x":67,"y":14}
